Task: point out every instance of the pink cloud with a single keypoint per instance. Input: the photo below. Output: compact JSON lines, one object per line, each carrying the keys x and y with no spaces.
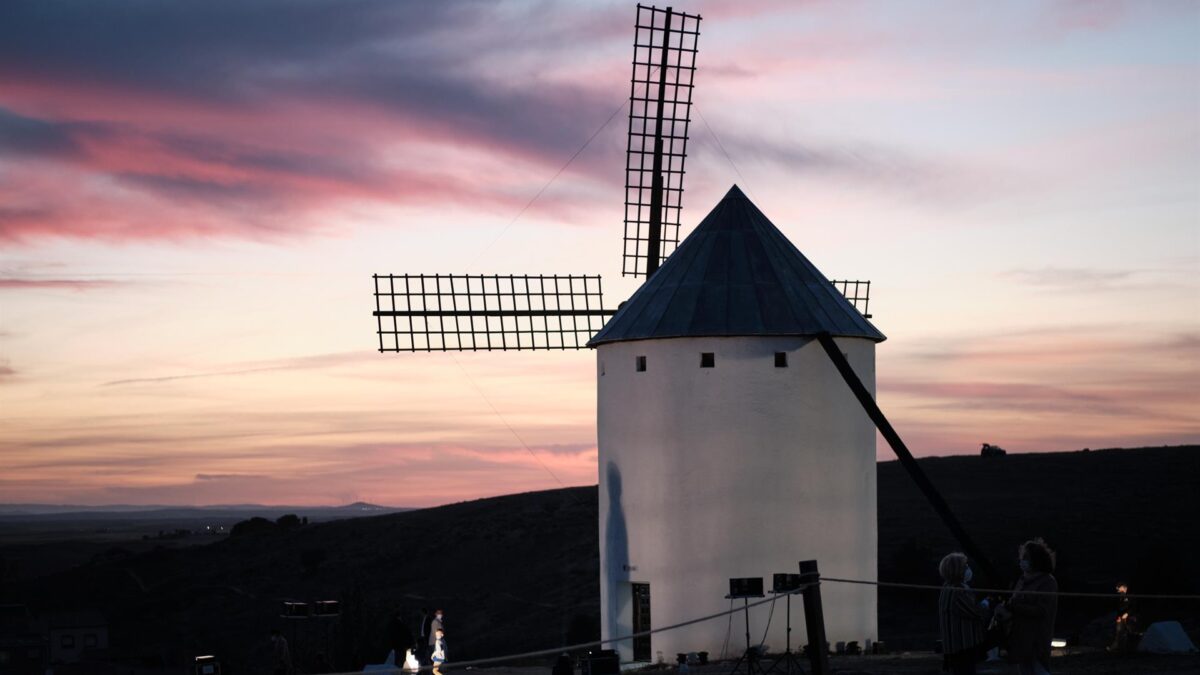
{"x":123,"y":181}
{"x":8,"y":283}
{"x":1046,"y":390}
{"x":390,"y":474}
{"x":131,"y":155}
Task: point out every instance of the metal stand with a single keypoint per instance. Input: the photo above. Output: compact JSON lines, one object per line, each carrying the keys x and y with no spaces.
{"x":788,"y":660}
{"x":750,"y":656}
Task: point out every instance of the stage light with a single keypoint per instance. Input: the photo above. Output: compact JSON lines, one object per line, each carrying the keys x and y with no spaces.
{"x":746,"y":587}
{"x":327,"y":608}
{"x":785,"y":582}
{"x":207,"y":665}
{"x":296,"y":610}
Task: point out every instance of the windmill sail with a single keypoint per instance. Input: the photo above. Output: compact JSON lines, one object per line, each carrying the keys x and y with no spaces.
{"x":459,"y":312}
{"x":660,"y":110}
{"x":858,"y":292}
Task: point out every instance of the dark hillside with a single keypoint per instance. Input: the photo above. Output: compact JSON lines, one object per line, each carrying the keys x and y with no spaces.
{"x":1112,"y":515}
{"x":511,"y":573}
{"x":521,"y":572}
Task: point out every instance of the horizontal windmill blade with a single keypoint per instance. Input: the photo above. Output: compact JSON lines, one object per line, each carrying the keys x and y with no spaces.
{"x":460,"y":312}
{"x":857,"y":292}
{"x":660,"y":110}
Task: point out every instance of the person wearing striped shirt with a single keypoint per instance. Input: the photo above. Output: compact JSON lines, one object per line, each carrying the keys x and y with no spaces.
{"x":962,"y":619}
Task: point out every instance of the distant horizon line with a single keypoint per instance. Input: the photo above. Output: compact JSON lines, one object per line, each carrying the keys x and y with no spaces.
{"x":297,"y":507}
{"x":230,"y":507}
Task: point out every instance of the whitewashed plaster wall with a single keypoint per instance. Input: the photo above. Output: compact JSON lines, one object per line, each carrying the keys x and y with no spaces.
{"x":740,"y":470}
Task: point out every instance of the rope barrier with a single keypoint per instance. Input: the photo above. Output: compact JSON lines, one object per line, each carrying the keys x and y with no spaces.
{"x":587,"y":645}
{"x":494,"y":660}
{"x":1008,"y":591}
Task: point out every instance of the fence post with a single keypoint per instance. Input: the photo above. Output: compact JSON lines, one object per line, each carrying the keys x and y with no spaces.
{"x":814,"y":617}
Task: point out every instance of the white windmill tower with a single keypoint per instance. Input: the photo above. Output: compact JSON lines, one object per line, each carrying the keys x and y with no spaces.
{"x":727,"y":446}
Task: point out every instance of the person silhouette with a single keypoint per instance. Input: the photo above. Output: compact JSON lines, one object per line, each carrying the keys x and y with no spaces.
{"x":425,"y":636}
{"x":1031,"y":609}
{"x":960,"y":617}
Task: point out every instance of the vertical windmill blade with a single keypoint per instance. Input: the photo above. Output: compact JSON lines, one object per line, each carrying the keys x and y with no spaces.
{"x":459,"y":312}
{"x":660,"y":109}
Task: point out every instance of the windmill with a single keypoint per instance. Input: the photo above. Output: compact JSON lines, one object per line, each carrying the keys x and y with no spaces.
{"x":728,"y":446}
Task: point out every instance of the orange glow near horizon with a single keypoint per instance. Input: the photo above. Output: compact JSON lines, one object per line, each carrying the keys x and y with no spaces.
{"x":189,"y":221}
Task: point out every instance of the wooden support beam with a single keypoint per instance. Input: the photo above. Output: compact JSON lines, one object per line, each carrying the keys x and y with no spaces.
{"x":908,"y":462}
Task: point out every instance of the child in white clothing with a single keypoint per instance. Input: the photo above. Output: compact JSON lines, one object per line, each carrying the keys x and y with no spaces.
{"x":439,"y":649}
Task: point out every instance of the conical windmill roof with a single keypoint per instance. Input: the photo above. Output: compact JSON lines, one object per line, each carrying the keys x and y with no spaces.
{"x":736,"y":275}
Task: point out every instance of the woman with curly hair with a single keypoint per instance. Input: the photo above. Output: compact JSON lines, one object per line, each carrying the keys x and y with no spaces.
{"x":960,"y":617}
{"x":1032,"y":608}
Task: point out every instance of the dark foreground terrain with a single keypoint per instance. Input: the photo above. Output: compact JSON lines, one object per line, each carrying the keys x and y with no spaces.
{"x":1067,"y":663}
{"x":38,"y":540}
{"x":1130,"y":516}
{"x":520,"y":572}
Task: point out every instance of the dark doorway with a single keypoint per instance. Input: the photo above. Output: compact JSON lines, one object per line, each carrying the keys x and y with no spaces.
{"x":641,"y":621}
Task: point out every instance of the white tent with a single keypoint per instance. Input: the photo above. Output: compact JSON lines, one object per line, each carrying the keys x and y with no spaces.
{"x":1166,"y":637}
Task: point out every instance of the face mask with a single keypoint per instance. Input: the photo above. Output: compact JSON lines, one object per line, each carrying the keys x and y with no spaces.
{"x":967,"y":576}
{"x":1025,"y":565}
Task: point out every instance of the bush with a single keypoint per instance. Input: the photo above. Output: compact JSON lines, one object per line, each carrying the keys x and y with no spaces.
{"x":255,"y":525}
{"x":288,"y":522}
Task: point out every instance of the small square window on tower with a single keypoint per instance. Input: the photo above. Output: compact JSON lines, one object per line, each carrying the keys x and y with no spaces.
{"x":641,"y":364}
{"x":708,"y":360}
{"x":781,"y":359}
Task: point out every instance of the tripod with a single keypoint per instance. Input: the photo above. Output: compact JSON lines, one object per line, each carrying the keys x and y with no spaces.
{"x":790,"y":662}
{"x":750,"y":656}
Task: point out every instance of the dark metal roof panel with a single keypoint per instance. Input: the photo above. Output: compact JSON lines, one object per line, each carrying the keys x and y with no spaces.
{"x":736,"y":275}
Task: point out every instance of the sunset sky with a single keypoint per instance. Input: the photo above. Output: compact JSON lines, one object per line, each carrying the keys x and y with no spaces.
{"x":193,"y":198}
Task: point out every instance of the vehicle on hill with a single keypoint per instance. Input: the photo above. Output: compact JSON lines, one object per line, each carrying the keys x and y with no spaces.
{"x":989,"y":450}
